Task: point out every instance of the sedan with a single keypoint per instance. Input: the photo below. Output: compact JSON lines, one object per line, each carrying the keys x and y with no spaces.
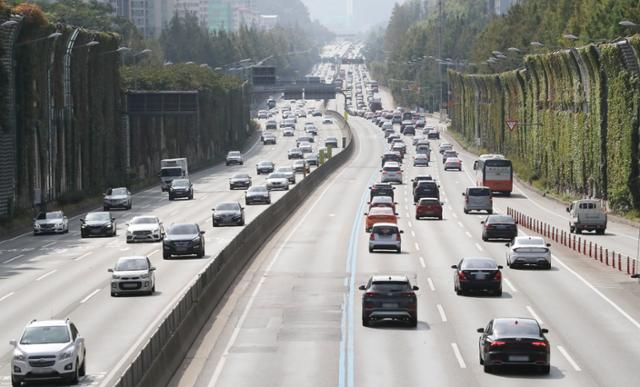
{"x":50,"y":223}
{"x":499,"y":227}
{"x":269,"y":138}
{"x":429,"y":208}
{"x":288,"y":132}
{"x":234,"y":158}
{"x":420,"y":178}
{"x":97,"y":224}
{"x":514,"y":341}
{"x":265,"y":167}
{"x":277,"y":181}
{"x":529,"y":251}
{"x":421,"y":160}
{"x":477,"y":274}
{"x":183,"y":239}
{"x":289,"y":172}
{"x":117,"y":198}
{"x":228,"y":213}
{"x":181,"y":188}
{"x":381,"y":189}
{"x":311,"y":159}
{"x":382,"y":201}
{"x":133,"y":275}
{"x":453,"y":163}
{"x":257,"y":194}
{"x":145,"y":229}
{"x":295,"y":153}
{"x":327,"y":121}
{"x":379,"y":215}
{"x":240,"y":180}
{"x":389,"y":297}
{"x":306,"y":147}
{"x":301,"y":166}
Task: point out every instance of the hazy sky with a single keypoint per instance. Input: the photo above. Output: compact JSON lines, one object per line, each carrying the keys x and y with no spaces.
{"x":367,"y":13}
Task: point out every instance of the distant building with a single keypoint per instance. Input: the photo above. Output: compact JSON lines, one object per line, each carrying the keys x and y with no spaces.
{"x":197,"y":8}
{"x":230,"y":15}
{"x":149,"y":16}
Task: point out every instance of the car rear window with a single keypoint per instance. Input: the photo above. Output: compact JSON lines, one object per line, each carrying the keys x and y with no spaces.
{"x":392,"y":169}
{"x":428,"y":202}
{"x":587,"y":206}
{"x":390,"y":286}
{"x":515,"y":328}
{"x":183,"y":229}
{"x":381,"y":211}
{"x":385,"y":230}
{"x":500,"y":219}
{"x":478,"y":264}
{"x":479,"y":192}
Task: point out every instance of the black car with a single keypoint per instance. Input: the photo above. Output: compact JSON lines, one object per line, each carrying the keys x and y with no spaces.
{"x":257,"y":194}
{"x":514,"y":342}
{"x":433,"y":134}
{"x":426,"y":189}
{"x":381,"y":189}
{"x":240,"y":180}
{"x":391,"y":156}
{"x":99,"y":223}
{"x":181,"y":188}
{"x":499,"y":227}
{"x":389,"y":297}
{"x":183,"y":239}
{"x":420,"y":178}
{"x":228,"y":213}
{"x":265,"y":167}
{"x":409,"y":130}
{"x":477,"y":274}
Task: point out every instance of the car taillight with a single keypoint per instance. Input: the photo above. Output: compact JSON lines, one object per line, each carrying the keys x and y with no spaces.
{"x":398,"y":236}
{"x":497,"y":343}
{"x":370,"y":294}
{"x":498,"y":275}
{"x":372,"y":237}
{"x":488,"y":226}
{"x":408,"y":294}
{"x":462,"y":276}
{"x":539,"y":344}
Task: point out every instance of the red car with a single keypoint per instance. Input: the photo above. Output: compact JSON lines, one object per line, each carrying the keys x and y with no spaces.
{"x":429,"y":208}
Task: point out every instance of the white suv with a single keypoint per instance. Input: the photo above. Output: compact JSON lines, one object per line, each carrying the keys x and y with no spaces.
{"x":48,"y":350}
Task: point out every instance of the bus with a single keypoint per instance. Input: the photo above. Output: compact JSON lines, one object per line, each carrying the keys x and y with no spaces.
{"x":494,"y":171}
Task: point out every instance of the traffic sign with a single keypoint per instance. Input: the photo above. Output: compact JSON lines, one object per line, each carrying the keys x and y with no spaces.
{"x":511,"y":124}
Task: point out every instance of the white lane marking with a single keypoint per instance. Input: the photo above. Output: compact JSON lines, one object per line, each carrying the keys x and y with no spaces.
{"x":7,"y":296}
{"x":456,"y":352}
{"x":93,"y":293}
{"x":460,"y":224}
{"x":479,"y":247}
{"x":48,"y":244}
{"x":443,"y":316}
{"x":408,"y":216}
{"x":413,"y":233}
{"x":153,"y":252}
{"x":417,"y":246}
{"x":467,"y":233}
{"x":534,"y":314}
{"x":236,"y":331}
{"x":202,"y":197}
{"x":569,"y":358}
{"x":431,"y":285}
{"x":144,"y":206}
{"x":14,"y":258}
{"x":406,"y":207}
{"x":83,"y":256}
{"x":124,"y":249}
{"x":46,"y":275}
{"x":422,"y":263}
{"x":510,"y":285}
{"x":409,"y":224}
{"x":454,"y":215}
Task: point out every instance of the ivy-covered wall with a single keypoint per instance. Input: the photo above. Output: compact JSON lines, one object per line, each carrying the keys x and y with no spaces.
{"x":577,"y":113}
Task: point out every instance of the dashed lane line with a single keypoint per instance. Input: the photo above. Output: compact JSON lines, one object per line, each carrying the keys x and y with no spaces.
{"x":456,"y":352}
{"x":510,"y":285}
{"x":479,"y":247}
{"x":46,"y":275}
{"x":417,"y":246}
{"x":431,"y":285}
{"x":534,"y":314}
{"x":13,"y":259}
{"x":422,"y":263}
{"x":88,"y":297}
{"x":569,"y":358}
{"x":7,"y":296}
{"x":443,"y":316}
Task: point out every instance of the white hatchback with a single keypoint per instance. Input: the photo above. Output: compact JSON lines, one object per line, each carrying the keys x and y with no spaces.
{"x":529,"y":251}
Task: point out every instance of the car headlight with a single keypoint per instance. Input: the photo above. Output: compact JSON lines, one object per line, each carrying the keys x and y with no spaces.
{"x":59,"y":224}
{"x":155,"y":230}
{"x":36,"y":225}
{"x":19,"y":355}
{"x":66,"y":354}
{"x":146,"y":275}
{"x":115,"y":276}
{"x":129,"y":232}
{"x":196,"y":239}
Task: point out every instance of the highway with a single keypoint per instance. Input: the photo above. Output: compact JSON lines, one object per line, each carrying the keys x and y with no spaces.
{"x":59,"y":276}
{"x":294,"y":317}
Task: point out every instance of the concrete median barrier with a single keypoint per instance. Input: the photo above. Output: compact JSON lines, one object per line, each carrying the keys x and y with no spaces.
{"x":160,"y":357}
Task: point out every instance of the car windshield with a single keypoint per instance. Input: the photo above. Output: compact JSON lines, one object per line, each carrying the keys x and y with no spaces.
{"x":234,"y":153}
{"x":46,"y":335}
{"x":284,"y":169}
{"x":119,"y":191}
{"x":227,"y":207}
{"x":295,"y":150}
{"x":180,"y":183}
{"x":277,"y":176}
{"x":515,"y":328}
{"x":390,"y":286}
{"x":259,"y":188}
{"x":182,"y":229}
{"x":381,"y":211}
{"x":98,"y":216}
{"x":144,"y":220}
{"x":479,"y":192}
{"x":240,"y":176}
{"x":170,"y":172}
{"x":132,"y":264}
{"x":478,"y":264}
{"x":530,"y":241}
{"x":500,"y":219}
{"x":265,"y":163}
{"x":50,"y":215}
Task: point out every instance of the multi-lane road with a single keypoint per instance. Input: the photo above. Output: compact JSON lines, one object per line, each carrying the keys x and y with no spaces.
{"x":60,"y":276}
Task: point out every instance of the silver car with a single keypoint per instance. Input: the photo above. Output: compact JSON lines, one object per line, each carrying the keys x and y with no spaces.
{"x":385,"y":236}
{"x":145,"y":229}
{"x":277,"y":181}
{"x":289,"y":172}
{"x":133,"y":275}
{"x":50,"y":223}
{"x":529,"y":251}
{"x":478,"y":199}
{"x":117,"y":198}
{"x":391,"y":173}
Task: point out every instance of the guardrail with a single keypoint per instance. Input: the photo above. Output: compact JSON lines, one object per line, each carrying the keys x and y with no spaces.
{"x":161,"y":356}
{"x":572,"y":241}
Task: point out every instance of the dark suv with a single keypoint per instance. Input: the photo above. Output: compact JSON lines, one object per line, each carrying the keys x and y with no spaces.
{"x":426,"y":189}
{"x":389,"y":297}
{"x":183,"y":239}
{"x":381,"y":189}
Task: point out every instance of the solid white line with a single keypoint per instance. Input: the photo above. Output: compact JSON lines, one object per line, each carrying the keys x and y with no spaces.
{"x":456,"y":352}
{"x":443,"y":316}
{"x":7,"y":296}
{"x":417,"y":246}
{"x":14,"y":258}
{"x":89,"y":296}
{"x":479,"y":247}
{"x":569,"y":358}
{"x":431,"y":285}
{"x":454,"y":215}
{"x":82,"y":256}
{"x":409,"y":224}
{"x":533,"y":314}
{"x":509,"y":284}
{"x":46,"y":275}
{"x":422,"y":263}
{"x":467,"y":233}
{"x":413,"y":233}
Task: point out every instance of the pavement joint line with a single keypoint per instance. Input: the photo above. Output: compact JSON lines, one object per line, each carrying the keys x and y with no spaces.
{"x":569,"y":358}
{"x":510,"y":285}
{"x":417,"y":246}
{"x":7,"y":296}
{"x":81,"y":257}
{"x":93,"y":293}
{"x":13,"y":259}
{"x":46,"y":275}
{"x":456,"y":352}
{"x":431,"y":285}
{"x":467,"y":233}
{"x":443,"y":316}
{"x":422,"y":263}
{"x":534,"y":314}
{"x":479,"y":247}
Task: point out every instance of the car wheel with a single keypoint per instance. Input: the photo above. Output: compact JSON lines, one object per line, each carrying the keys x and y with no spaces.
{"x":488,"y":369}
{"x":201,"y":253}
{"x":571,"y":229}
{"x":365,"y":321}
{"x":114,"y":232}
{"x":153,"y":289}
{"x":484,"y":238}
{"x":114,"y":294}
{"x":480,"y":358}
{"x":170,"y":197}
{"x":600,"y":232}
{"x":370,"y":249}
{"x":398,"y":250}
{"x":413,"y":321}
{"x":498,"y":293}
{"x":129,"y":206}
{"x":15,"y":382}
{"x":215,"y":224}
{"x":548,"y":267}
{"x":578,"y":230}
{"x":545,"y":369}
{"x":105,"y":208}
{"x":440,"y":217}
{"x":83,"y":367}
{"x":417,"y":217}
{"x":191,"y":197}
{"x":166,"y":255}
{"x":489,"y":212}
{"x":73,"y":379}
{"x":466,"y":211}
{"x":241,"y":223}
{"x":458,"y":290}
{"x":83,"y":234}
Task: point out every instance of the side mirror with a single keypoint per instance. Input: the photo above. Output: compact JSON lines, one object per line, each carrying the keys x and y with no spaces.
{"x":548,"y":244}
{"x":415,"y":288}
{"x":635,"y":275}
{"x":515,"y":221}
{"x":152,"y":268}
{"x":454,"y":266}
{"x":499,"y":267}
{"x":80,"y":340}
{"x":507,"y":244}
{"x":480,"y":330}
{"x":365,"y":214}
{"x":395,"y":202}
{"x":110,"y":270}
{"x":482,"y":222}
{"x":113,"y":219}
{"x":544,"y":330}
{"x":202,"y":232}
{"x":13,"y":342}
{"x":401,"y":231}
{"x":567,"y":209}
{"x":82,"y":220}
{"x":362,"y":287}
{"x":126,"y":224}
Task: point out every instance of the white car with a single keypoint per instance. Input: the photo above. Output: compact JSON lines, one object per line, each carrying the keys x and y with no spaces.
{"x":289,"y":172}
{"x":50,"y":223}
{"x":327,"y":121}
{"x":277,"y":181}
{"x":288,"y":132}
{"x":306,"y":147}
{"x":48,"y":350}
{"x":133,"y":275}
{"x":529,"y":251}
{"x":145,"y":228}
{"x":453,"y":163}
{"x":234,"y":158}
